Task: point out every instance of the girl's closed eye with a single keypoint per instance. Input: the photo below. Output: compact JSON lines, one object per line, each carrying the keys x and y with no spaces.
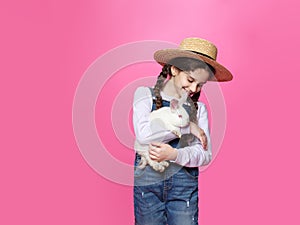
{"x":190,"y":79}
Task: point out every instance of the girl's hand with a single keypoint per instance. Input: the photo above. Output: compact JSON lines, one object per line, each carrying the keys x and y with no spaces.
{"x":199,"y":133}
{"x":160,"y":152}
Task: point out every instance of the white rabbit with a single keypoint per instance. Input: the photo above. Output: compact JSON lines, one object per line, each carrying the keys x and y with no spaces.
{"x":173,"y":118}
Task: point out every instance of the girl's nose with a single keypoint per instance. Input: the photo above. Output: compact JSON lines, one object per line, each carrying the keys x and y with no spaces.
{"x":193,"y":87}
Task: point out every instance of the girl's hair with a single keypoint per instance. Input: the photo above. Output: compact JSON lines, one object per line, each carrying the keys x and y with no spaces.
{"x":187,"y":65}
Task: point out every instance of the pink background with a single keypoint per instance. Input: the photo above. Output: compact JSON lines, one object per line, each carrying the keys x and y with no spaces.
{"x":47,"y":45}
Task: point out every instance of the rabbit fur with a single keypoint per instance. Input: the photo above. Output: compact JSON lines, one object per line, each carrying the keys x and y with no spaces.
{"x":172,"y":118}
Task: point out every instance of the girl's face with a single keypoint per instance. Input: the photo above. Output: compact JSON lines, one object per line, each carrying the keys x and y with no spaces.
{"x":191,"y":82}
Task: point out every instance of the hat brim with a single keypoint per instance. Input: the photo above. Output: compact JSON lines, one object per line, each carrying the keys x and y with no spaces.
{"x":221,"y":73}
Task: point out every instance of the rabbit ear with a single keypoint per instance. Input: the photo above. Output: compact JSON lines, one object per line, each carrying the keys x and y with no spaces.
{"x":174,"y":104}
{"x":183,"y":98}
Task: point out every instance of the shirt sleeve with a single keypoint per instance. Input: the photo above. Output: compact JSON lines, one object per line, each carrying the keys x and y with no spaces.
{"x":194,"y":155}
{"x":146,"y":132}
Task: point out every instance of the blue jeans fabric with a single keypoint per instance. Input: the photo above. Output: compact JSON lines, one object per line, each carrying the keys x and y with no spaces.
{"x":170,"y":197}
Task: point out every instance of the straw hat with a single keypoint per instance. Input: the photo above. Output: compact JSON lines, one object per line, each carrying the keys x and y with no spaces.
{"x":198,"y":49}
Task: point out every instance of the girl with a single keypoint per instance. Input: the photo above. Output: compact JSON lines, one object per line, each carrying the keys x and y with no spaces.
{"x":171,"y":197}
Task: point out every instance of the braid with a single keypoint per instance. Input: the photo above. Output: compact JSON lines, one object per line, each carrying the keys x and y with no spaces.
{"x":159,"y":85}
{"x":187,"y":139}
{"x":194,"y":106}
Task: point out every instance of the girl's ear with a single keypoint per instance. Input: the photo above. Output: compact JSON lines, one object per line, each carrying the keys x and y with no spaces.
{"x":174,"y":70}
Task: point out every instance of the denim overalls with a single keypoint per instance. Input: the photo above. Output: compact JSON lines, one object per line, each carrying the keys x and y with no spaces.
{"x":169,"y":197}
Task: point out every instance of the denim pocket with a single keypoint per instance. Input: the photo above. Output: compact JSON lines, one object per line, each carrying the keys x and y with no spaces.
{"x":138,"y":172}
{"x":192,"y":172}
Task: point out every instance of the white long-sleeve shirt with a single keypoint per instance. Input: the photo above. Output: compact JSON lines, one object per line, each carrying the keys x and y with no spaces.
{"x":190,"y":156}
